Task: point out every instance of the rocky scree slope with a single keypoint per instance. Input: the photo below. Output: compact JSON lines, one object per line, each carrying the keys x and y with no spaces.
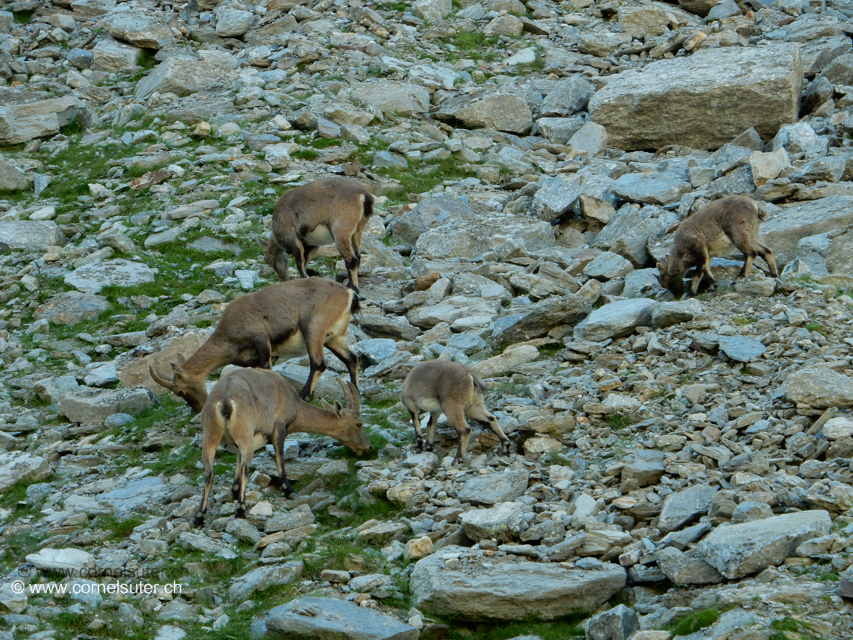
{"x":681,"y":467}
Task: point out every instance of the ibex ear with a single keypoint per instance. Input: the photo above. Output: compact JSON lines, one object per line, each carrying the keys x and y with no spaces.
{"x":176,"y":369}
{"x":338,"y":408}
{"x":659,"y":265}
{"x":260,"y":242}
{"x":180,"y":359}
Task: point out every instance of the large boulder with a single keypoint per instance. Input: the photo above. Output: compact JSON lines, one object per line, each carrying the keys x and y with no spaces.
{"x":616,"y":319}
{"x":473,"y":236}
{"x":132,"y":365}
{"x":92,"y":277}
{"x":24,"y":122}
{"x":390,"y":96}
{"x":455,"y":582}
{"x":789,"y":224}
{"x":92,"y":406}
{"x":501,"y":111}
{"x":19,"y":466}
{"x":819,"y":387}
{"x":31,"y":235}
{"x":538,"y":319}
{"x":741,"y":549}
{"x":184,"y":75}
{"x":71,"y":307}
{"x":679,"y":101}
{"x":138,"y":28}
{"x":409,"y":226}
{"x":114,"y":57}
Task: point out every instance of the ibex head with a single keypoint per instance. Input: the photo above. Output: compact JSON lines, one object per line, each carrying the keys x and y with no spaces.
{"x":275,"y":256}
{"x":672,"y":279}
{"x":181,"y":384}
{"x":350,"y":432}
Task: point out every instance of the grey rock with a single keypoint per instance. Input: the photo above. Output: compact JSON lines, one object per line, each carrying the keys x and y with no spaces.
{"x":474,"y":236}
{"x":618,"y":623}
{"x":569,"y":96}
{"x":591,"y":138}
{"x":388,"y":326}
{"x":376,"y":349}
{"x":325,"y":618}
{"x":263,"y":577}
{"x":233,"y":23}
{"x":785,"y":228}
{"x":559,"y":130}
{"x":503,"y":521}
{"x":751,"y":511}
{"x":494,"y":487}
{"x":61,"y":559}
{"x":507,"y":361}
{"x":616,"y":319}
{"x":31,"y":235}
{"x":540,"y":318}
{"x":642,"y":468}
{"x":24,"y":122}
{"x":185,"y":75}
{"x":492,"y":589}
{"x":101,"y":376}
{"x":740,"y":348}
{"x":80,"y":58}
{"x":506,"y":25}
{"x":390,"y":160}
{"x":92,"y":277}
{"x":798,"y":138}
{"x":652,"y":188}
{"x":682,"y":507}
{"x":554,"y":198}
{"x":501,"y":111}
{"x":110,"y":56}
{"x":429,"y":212}
{"x":139,"y":28}
{"x":432,"y":10}
{"x":685,"y":569}
{"x":93,"y":405}
{"x":741,"y":549}
{"x":724,"y":9}
{"x":390,"y":96}
{"x":608,"y":266}
{"x":12,"y":178}
{"x":72,"y":307}
{"x":819,"y":387}
{"x":667,"y":314}
{"x":667,"y":101}
{"x":132,"y":365}
{"x":19,"y":466}
{"x":135,"y":496}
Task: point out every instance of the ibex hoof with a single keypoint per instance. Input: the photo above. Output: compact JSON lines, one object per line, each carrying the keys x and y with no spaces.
{"x":198,"y":521}
{"x":506,"y":449}
{"x":241,"y":512}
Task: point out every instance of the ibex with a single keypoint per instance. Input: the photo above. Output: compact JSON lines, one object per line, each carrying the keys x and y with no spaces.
{"x":452,"y":388}
{"x":715,"y":230}
{"x":331,"y":210}
{"x":286,"y":319}
{"x":252,"y":407}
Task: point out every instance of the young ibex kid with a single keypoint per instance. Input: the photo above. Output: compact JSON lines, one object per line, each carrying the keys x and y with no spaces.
{"x":331,"y":210}
{"x":452,"y":388}
{"x":286,"y":319}
{"x":715,"y":230}
{"x":252,"y":407}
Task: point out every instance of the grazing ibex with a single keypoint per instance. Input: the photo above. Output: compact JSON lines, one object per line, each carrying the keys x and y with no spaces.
{"x":715,"y":230}
{"x":331,"y":210}
{"x":286,"y":319}
{"x":452,"y":388}
{"x":252,"y":407}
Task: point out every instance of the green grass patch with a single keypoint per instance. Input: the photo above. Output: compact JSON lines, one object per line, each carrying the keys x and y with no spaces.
{"x":828,"y":576}
{"x":693,"y":622}
{"x":305,"y":154}
{"x":422,"y":176}
{"x":23,"y":17}
{"x":19,"y":545}
{"x":472,"y":44}
{"x":816,"y":326}
{"x":618,"y":420}
{"x":119,"y":528}
{"x":744,"y":320}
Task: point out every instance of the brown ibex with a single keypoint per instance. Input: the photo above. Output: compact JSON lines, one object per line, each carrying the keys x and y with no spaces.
{"x":252,"y":407}
{"x":331,"y":210}
{"x":452,"y":388}
{"x":286,"y":319}
{"x":715,"y":230}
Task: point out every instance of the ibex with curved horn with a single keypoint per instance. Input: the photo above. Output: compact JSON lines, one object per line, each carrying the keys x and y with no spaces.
{"x":331,"y":210}
{"x":252,"y":407}
{"x":287,"y":319}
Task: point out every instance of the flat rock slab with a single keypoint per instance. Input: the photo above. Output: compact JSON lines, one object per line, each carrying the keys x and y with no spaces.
{"x":456,"y":582}
{"x":326,"y":619}
{"x":264,"y":577}
{"x":135,"y":495}
{"x":820,"y":388}
{"x":184,"y":75}
{"x":616,"y":319}
{"x":501,"y":111}
{"x":33,"y":235}
{"x":678,"y":101}
{"x":682,"y":507}
{"x":24,"y":122}
{"x":71,"y":307}
{"x":391,"y":96}
{"x":652,"y":188}
{"x":741,"y":349}
{"x":494,"y":487}
{"x":88,"y":406}
{"x":473,"y":236}
{"x":56,"y":559}
{"x":539,"y":318}
{"x":19,"y":466}
{"x":791,"y":223}
{"x":741,"y":549}
{"x":92,"y":277}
